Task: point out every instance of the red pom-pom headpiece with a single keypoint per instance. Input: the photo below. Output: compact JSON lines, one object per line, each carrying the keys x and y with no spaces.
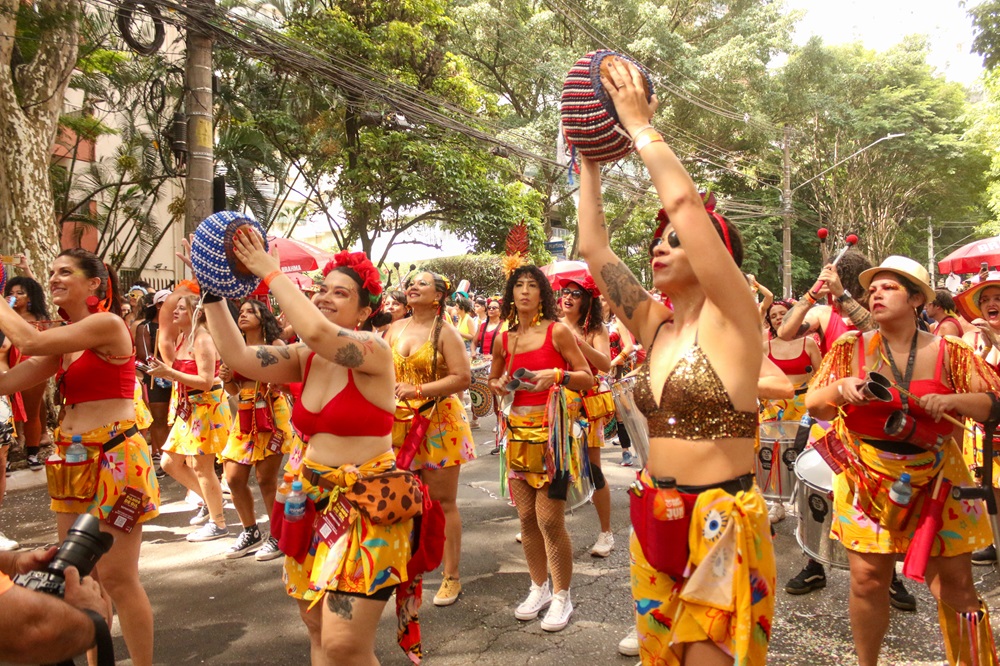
{"x":362,"y":266}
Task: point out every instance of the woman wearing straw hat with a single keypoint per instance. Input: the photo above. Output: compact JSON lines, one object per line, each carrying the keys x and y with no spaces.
{"x":931,"y":378}
{"x":698,"y":390}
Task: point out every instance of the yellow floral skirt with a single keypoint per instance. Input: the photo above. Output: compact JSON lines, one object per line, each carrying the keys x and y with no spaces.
{"x":370,"y":558}
{"x":727,"y":595}
{"x":128,"y":464}
{"x":449,"y":438}
{"x":966,"y":527}
{"x":248,"y":449}
{"x":972,"y":450}
{"x":143,"y":417}
{"x":206,"y":430}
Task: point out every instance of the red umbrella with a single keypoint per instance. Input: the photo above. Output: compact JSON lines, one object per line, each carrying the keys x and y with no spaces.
{"x":968,"y":258}
{"x":576,"y":271}
{"x":298,"y":257}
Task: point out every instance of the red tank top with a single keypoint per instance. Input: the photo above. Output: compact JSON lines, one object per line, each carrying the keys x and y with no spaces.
{"x":800,"y":365}
{"x":835,"y":328}
{"x":869,"y":421}
{"x":348,"y":414}
{"x":545,"y":357}
{"x":91,"y":378}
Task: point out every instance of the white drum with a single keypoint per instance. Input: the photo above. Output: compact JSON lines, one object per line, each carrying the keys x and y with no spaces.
{"x":814,"y":502}
{"x":629,"y":415}
{"x":6,"y":419}
{"x":776,"y":459}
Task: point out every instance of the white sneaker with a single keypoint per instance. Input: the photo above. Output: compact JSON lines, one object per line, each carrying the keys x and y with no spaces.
{"x":557,"y":617}
{"x":538,"y":598}
{"x":517,"y":537}
{"x":208,"y":532}
{"x":269,"y":551}
{"x":776,"y":512}
{"x":605,"y":544}
{"x":629,"y":646}
{"x":8,"y":544}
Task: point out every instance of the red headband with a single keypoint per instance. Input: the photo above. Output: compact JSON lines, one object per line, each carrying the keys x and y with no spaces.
{"x":709,"y":199}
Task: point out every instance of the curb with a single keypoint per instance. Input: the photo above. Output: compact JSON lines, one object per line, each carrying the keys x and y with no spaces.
{"x":25,"y":479}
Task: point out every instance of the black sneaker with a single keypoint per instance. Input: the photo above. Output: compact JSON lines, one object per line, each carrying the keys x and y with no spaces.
{"x":34,"y":464}
{"x":985,"y":556}
{"x":899,"y":597}
{"x":495,"y":451}
{"x":812,"y":577}
{"x":248,"y":541}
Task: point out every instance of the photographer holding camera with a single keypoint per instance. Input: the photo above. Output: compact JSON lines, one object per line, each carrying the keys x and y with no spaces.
{"x":42,"y":628}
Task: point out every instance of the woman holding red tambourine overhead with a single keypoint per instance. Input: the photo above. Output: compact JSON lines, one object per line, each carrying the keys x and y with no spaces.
{"x":348,"y":554}
{"x":704,"y":592}
{"x":93,"y":360}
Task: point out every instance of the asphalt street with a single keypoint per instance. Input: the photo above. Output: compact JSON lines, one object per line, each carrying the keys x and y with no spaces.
{"x":210,"y":610}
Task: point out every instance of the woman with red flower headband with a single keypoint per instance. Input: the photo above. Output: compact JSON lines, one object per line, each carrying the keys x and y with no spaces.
{"x":94,"y":362}
{"x":583,"y":314}
{"x":698,"y":390}
{"x":432,"y":367}
{"x":345,"y":414}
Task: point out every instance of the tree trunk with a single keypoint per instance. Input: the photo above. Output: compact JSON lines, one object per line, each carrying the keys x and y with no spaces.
{"x":31,"y":99}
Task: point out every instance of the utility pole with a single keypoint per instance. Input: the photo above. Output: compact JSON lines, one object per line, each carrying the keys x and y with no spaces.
{"x":930,"y":252}
{"x":786,"y":217}
{"x":198,"y":106}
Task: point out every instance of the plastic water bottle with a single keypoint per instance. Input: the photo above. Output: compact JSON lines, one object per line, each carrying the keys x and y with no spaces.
{"x":284,"y":489}
{"x":901,"y":491}
{"x":295,"y":503}
{"x":77,"y":452}
{"x":668,"y":503}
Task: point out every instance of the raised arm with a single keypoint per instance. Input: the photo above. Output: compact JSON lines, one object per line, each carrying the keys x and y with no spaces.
{"x":103,"y":332}
{"x":627,"y":298}
{"x":266,"y":363}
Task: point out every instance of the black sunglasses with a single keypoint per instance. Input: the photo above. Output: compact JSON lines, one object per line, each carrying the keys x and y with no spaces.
{"x":575,"y":293}
{"x":672,"y":240}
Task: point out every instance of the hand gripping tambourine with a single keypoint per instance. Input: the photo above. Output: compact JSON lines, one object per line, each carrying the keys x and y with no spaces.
{"x":589,"y":120}
{"x":215,"y":264}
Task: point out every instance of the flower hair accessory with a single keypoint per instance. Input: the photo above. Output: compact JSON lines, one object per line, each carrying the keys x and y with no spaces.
{"x":364,"y":269}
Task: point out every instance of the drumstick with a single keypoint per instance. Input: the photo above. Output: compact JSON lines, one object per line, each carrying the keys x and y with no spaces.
{"x":850,"y":241}
{"x":947,"y":417}
{"x":822,"y":233}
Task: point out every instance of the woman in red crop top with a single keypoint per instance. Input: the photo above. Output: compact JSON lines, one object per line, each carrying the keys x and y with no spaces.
{"x":945,"y":378}
{"x":93,"y":358}
{"x":432,"y":369}
{"x":536,"y":342}
{"x":202,"y":421}
{"x":583,"y":315}
{"x":29,"y":302}
{"x":261,"y":434}
{"x":698,"y":389}
{"x":346,"y":409}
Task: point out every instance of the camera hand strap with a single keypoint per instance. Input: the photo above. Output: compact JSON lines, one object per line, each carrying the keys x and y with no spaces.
{"x":102,"y":641}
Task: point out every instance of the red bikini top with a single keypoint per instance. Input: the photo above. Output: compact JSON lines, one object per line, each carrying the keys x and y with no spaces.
{"x":800,"y":365}
{"x":348,"y":414}
{"x":545,"y":357}
{"x":90,"y":377}
{"x":869,"y":421}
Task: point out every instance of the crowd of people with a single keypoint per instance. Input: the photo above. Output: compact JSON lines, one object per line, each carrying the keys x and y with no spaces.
{"x":364,"y":394}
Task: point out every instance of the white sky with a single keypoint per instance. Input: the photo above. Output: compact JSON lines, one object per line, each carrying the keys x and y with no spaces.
{"x":880,"y":24}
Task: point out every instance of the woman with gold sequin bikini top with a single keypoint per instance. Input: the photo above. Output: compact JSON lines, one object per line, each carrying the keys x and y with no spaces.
{"x":698,"y":389}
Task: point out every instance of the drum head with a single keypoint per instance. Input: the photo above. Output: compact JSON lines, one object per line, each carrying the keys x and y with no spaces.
{"x":813,"y":470}
{"x":481,"y":398}
{"x":579,"y":493}
{"x":6,"y":413}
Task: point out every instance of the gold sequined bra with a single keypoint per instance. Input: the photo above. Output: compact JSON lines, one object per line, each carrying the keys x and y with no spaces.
{"x":694,"y":404}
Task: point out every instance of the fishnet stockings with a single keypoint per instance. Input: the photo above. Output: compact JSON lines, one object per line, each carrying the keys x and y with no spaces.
{"x":546,"y":542}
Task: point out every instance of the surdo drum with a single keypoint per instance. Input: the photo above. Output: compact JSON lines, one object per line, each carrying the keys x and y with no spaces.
{"x":814,"y":502}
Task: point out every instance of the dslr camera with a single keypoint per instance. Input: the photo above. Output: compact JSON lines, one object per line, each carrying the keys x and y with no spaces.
{"x":84,"y":545}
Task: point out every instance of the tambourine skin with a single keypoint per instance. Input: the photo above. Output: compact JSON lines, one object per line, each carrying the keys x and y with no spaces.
{"x":589,"y":120}
{"x":213,"y":260}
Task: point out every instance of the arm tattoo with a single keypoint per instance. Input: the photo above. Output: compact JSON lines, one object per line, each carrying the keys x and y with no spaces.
{"x":368,"y":340}
{"x":859,"y":316}
{"x":623,"y":289}
{"x":285,"y":353}
{"x":349,"y":356}
{"x":266,"y":357}
{"x":341,"y":604}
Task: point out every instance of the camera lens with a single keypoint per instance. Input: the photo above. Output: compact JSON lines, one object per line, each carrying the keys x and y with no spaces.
{"x":83,"y":546}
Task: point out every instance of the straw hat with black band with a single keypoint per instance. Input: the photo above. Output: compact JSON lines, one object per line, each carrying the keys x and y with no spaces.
{"x":906,"y":268}
{"x":968,"y":301}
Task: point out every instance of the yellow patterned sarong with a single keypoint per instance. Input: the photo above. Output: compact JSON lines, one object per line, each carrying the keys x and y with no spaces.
{"x":370,"y":558}
{"x":449,"y":438}
{"x":727,"y":596}
{"x":251,"y":448}
{"x":128,"y":464}
{"x":143,"y":417}
{"x":972,"y":450}
{"x":966,"y":527}
{"x":206,"y":430}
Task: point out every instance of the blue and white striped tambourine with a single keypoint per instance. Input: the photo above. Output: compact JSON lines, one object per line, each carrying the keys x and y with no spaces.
{"x":215,"y":265}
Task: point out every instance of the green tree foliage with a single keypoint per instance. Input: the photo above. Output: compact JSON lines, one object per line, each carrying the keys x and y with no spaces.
{"x":986,"y":21}
{"x":483,"y":271}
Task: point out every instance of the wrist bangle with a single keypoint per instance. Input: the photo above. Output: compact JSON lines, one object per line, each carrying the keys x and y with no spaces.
{"x":647,"y":137}
{"x":565,"y":379}
{"x":420,"y":390}
{"x":640,"y":131}
{"x":812,"y":299}
{"x":270,"y":276}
